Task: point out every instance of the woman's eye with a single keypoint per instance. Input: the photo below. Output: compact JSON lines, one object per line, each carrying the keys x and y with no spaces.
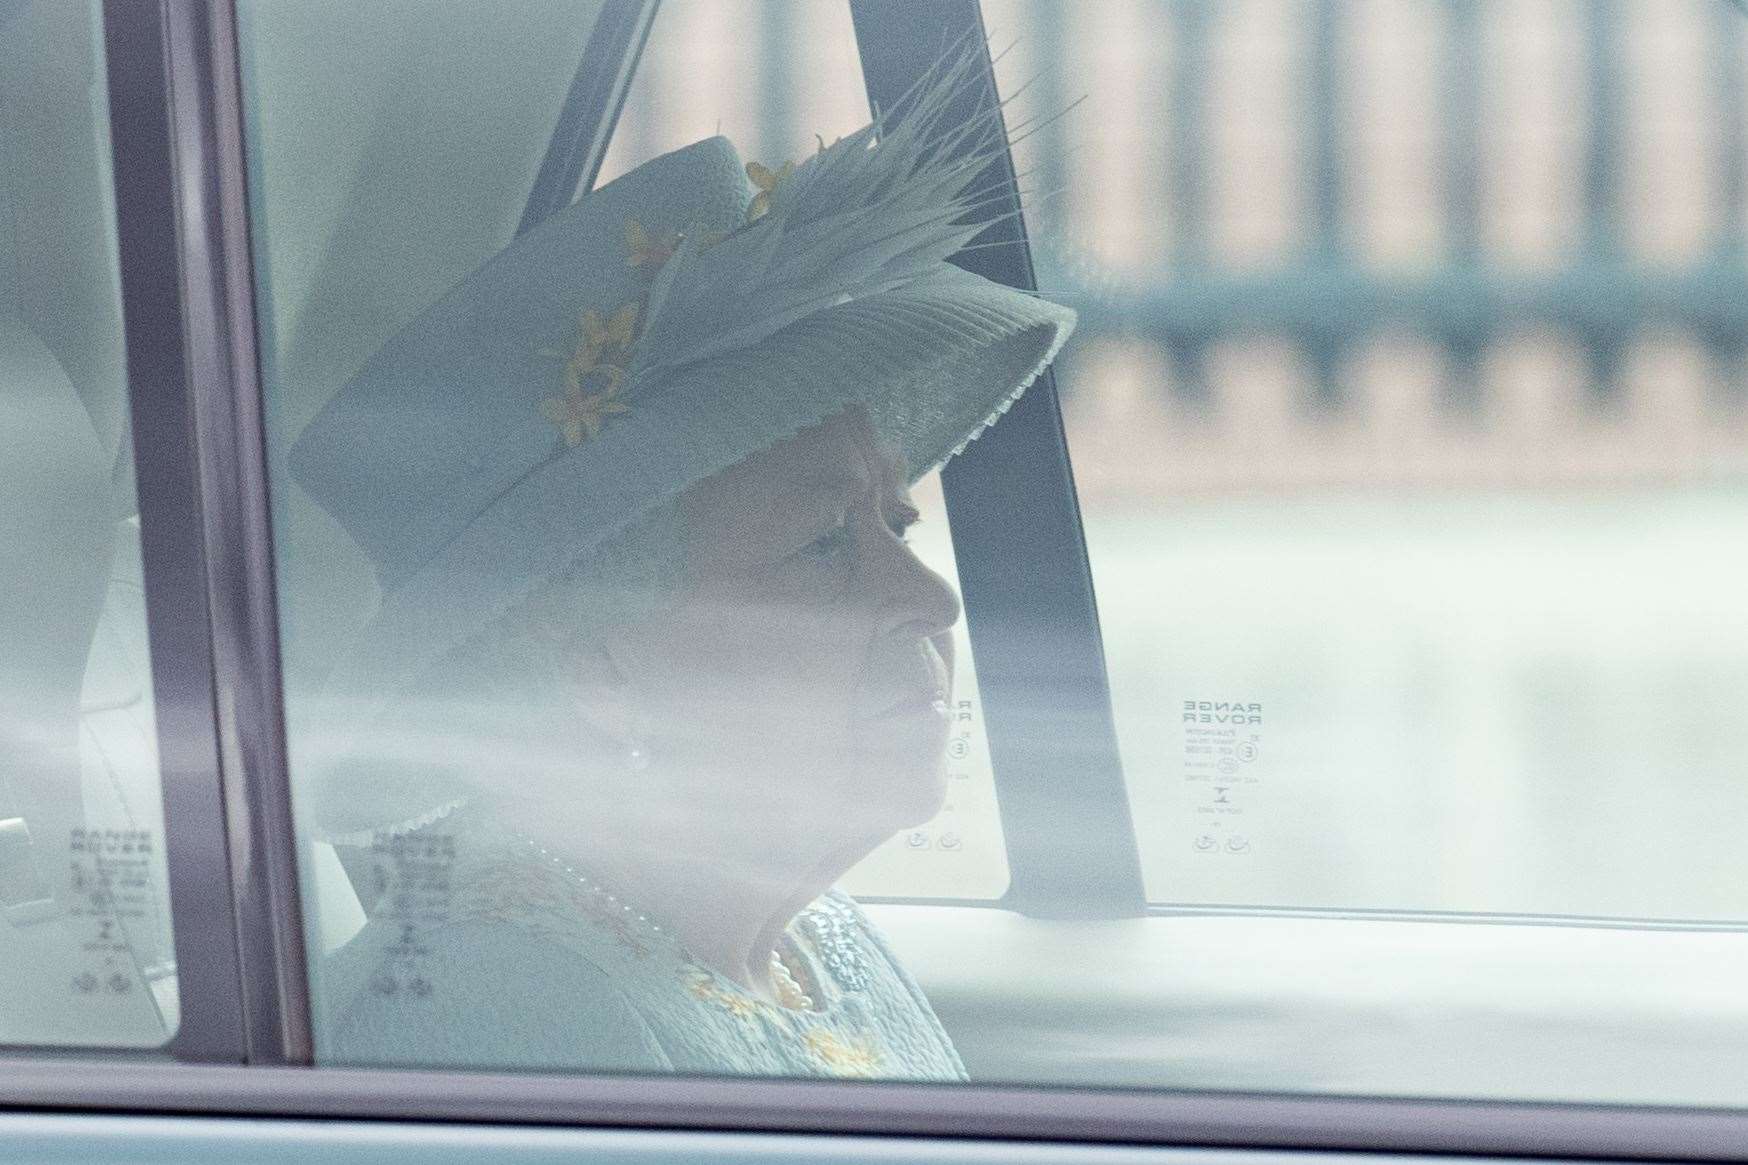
{"x":829,"y":544}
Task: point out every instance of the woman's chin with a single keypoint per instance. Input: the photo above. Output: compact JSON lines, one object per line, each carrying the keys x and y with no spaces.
{"x":893,"y":795}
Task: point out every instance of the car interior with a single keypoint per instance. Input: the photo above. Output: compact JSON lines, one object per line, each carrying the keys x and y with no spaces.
{"x":78,"y":713}
{"x":1024,"y":912}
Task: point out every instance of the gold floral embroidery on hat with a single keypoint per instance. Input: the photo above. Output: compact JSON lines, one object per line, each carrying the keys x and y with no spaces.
{"x":581,"y":415}
{"x":615,"y":334}
{"x":649,"y":250}
{"x":767,"y":180}
{"x":594,"y":375}
{"x":860,"y":1058}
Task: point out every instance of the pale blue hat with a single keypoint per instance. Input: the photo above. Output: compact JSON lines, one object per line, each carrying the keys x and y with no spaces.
{"x":658,"y":331}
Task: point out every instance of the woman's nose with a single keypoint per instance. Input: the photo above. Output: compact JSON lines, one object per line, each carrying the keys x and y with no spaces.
{"x":912,"y":593}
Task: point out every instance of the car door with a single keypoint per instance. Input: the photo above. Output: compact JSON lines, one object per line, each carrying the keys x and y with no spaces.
{"x":1342,"y":744}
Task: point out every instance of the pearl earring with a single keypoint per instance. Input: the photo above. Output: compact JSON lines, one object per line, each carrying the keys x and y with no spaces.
{"x":636,"y":755}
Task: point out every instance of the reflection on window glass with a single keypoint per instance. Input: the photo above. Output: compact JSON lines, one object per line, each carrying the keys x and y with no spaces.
{"x":1408,"y":419}
{"x":611,"y":643}
{"x":1406,"y":412}
{"x":85,"y":946}
{"x":1411,"y":447}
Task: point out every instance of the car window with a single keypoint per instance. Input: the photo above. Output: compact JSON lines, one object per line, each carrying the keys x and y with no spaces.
{"x":85,"y":945}
{"x":632,"y":718}
{"x":1406,"y":418}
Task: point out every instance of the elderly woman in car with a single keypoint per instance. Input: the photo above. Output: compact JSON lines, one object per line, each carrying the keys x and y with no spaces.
{"x":655,"y":664}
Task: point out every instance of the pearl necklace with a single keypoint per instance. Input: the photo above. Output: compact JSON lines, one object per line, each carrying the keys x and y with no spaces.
{"x":789,"y":992}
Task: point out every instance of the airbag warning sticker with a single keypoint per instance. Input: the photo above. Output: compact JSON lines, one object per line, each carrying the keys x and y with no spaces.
{"x":1222,"y":747}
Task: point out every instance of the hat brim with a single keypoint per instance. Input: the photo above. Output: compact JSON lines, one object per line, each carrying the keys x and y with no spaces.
{"x":935,"y":363}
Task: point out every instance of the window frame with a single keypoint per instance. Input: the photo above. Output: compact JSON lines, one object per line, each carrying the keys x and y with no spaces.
{"x":190,"y":323}
{"x":958,"y":1112}
{"x":152,"y":150}
{"x":230,"y":451}
{"x":1011,"y":495}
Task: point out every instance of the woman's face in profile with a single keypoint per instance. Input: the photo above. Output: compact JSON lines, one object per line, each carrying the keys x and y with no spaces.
{"x":807,"y":665}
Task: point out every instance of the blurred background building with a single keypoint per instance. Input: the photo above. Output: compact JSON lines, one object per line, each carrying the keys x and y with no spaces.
{"x":1338,"y":241}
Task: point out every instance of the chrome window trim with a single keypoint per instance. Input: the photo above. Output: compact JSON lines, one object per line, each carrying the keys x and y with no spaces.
{"x":1229,"y":1120}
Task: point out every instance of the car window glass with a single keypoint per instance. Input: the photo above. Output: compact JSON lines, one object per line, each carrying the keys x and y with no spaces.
{"x":1406,"y":418}
{"x":1409,"y":444}
{"x":85,"y":946}
{"x":624,"y":687}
